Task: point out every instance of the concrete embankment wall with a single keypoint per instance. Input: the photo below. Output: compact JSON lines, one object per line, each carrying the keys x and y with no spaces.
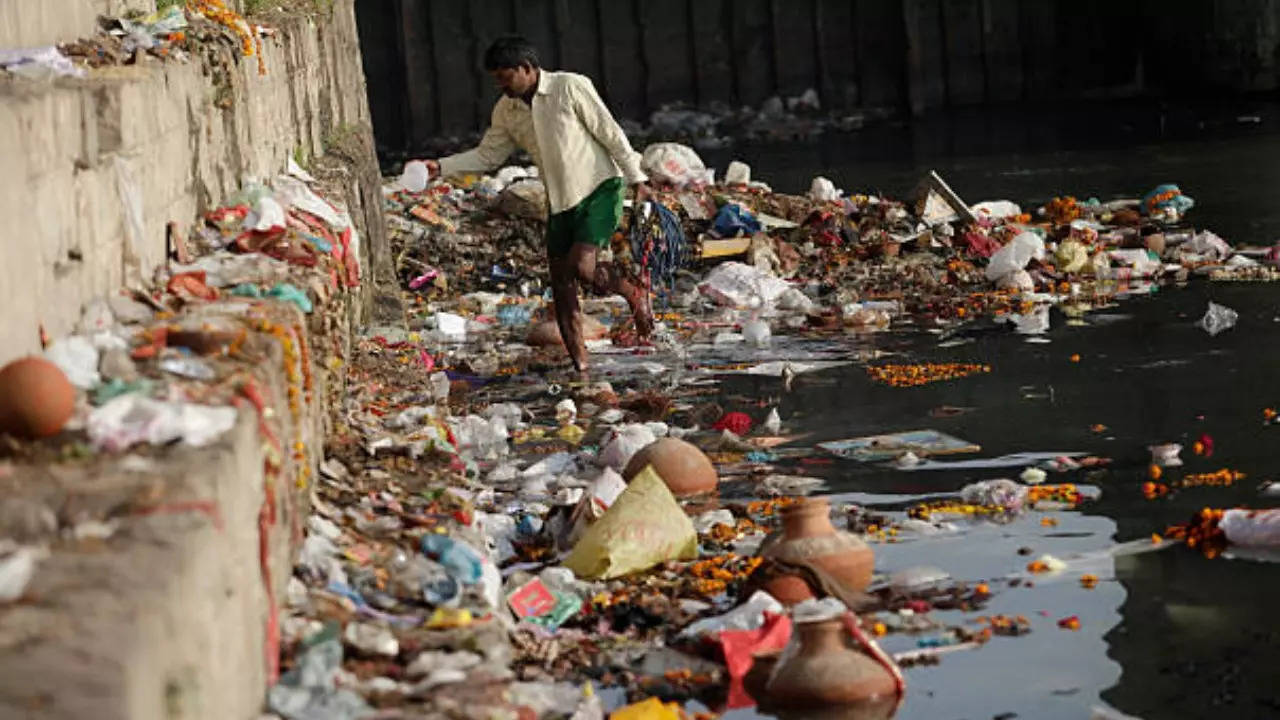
{"x":167,"y":614}
{"x":74,"y":154}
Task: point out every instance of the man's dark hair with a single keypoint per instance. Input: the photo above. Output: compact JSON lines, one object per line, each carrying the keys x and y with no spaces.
{"x":510,"y":51}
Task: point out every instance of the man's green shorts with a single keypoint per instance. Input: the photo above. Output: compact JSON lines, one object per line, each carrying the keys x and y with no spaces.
{"x":591,"y":221}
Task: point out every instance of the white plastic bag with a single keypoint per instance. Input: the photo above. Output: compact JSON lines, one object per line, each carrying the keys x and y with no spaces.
{"x":823,"y":190}
{"x":747,"y":616}
{"x":77,"y":358}
{"x":736,"y":284}
{"x":1218,"y":318}
{"x":739,"y":173}
{"x":131,"y":419}
{"x":1013,"y":257}
{"x":623,"y":443}
{"x":415,"y":176}
{"x":1252,"y":528}
{"x":674,"y":164}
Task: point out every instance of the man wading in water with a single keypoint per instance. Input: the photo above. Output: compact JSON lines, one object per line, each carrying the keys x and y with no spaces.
{"x":583,"y":159}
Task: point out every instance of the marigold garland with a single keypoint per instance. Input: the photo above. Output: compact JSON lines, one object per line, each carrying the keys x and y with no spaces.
{"x":217,"y":11}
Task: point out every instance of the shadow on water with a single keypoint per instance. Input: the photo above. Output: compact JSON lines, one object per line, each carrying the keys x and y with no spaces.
{"x":1167,"y":634}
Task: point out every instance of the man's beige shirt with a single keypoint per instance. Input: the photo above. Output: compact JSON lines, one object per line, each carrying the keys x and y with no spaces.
{"x":572,"y":137}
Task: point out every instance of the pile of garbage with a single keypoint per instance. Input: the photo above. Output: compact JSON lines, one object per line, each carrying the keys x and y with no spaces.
{"x":491,"y":535}
{"x":176,"y":32}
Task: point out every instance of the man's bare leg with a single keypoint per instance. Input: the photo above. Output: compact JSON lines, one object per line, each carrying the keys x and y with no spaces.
{"x":564,"y":293}
{"x":604,"y":279}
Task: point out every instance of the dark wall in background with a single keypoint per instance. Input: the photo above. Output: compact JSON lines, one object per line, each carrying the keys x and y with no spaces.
{"x":422,"y":57}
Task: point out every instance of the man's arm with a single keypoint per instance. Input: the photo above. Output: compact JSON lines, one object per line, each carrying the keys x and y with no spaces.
{"x":600,"y":123}
{"x":494,"y":149}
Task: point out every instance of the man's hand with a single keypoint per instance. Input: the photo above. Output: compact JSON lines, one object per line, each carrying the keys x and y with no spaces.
{"x":643,"y":193}
{"x":433,"y":169}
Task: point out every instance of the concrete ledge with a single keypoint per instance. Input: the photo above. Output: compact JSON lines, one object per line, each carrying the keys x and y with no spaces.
{"x":170,"y":613}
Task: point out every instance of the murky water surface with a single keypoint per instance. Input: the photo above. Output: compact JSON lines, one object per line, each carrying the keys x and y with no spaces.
{"x":1165,"y":634}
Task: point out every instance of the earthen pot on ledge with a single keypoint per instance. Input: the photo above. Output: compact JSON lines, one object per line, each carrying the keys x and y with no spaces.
{"x":809,"y":540}
{"x":685,"y":469}
{"x":829,"y":669}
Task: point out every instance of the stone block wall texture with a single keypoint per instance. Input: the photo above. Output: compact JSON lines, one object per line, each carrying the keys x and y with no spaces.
{"x":94,"y":169}
{"x":171,"y":616}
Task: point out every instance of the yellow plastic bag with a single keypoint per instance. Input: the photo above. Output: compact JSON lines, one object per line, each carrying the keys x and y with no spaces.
{"x":651,"y":709}
{"x":644,"y":526}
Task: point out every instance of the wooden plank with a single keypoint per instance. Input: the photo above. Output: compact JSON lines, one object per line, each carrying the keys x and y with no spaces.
{"x":837,"y":53}
{"x":795,"y":46}
{"x":881,"y":46}
{"x":623,"y":70}
{"x":668,"y":56}
{"x":966,"y":73}
{"x":926,"y":69}
{"x":713,"y":73}
{"x":753,"y":51}
{"x":1002,"y":50}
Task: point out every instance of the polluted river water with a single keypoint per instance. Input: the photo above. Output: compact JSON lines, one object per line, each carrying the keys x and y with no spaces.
{"x":1165,"y":633}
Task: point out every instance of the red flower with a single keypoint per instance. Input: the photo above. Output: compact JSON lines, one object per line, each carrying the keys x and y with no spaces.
{"x":738,"y":423}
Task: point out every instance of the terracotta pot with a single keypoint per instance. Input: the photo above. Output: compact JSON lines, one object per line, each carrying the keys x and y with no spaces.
{"x":683,"y":467}
{"x":809,"y":539}
{"x":828,"y":669}
{"x":36,"y":399}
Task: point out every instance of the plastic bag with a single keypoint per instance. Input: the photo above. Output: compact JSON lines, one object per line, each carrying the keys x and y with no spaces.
{"x":1254,"y":528}
{"x":996,"y":209}
{"x":599,"y":497}
{"x":995,"y":493}
{"x":823,"y":190}
{"x":674,"y":164}
{"x":623,"y":443}
{"x":1072,"y":256}
{"x":1218,"y":318}
{"x":77,"y":358}
{"x":747,"y":616}
{"x":644,"y":527}
{"x":16,"y":569}
{"x":733,"y":220}
{"x":739,"y":173}
{"x":736,"y":284}
{"x":756,"y":333}
{"x":415,"y":176}
{"x":650,"y":709}
{"x":131,"y":419}
{"x":1012,"y":257}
